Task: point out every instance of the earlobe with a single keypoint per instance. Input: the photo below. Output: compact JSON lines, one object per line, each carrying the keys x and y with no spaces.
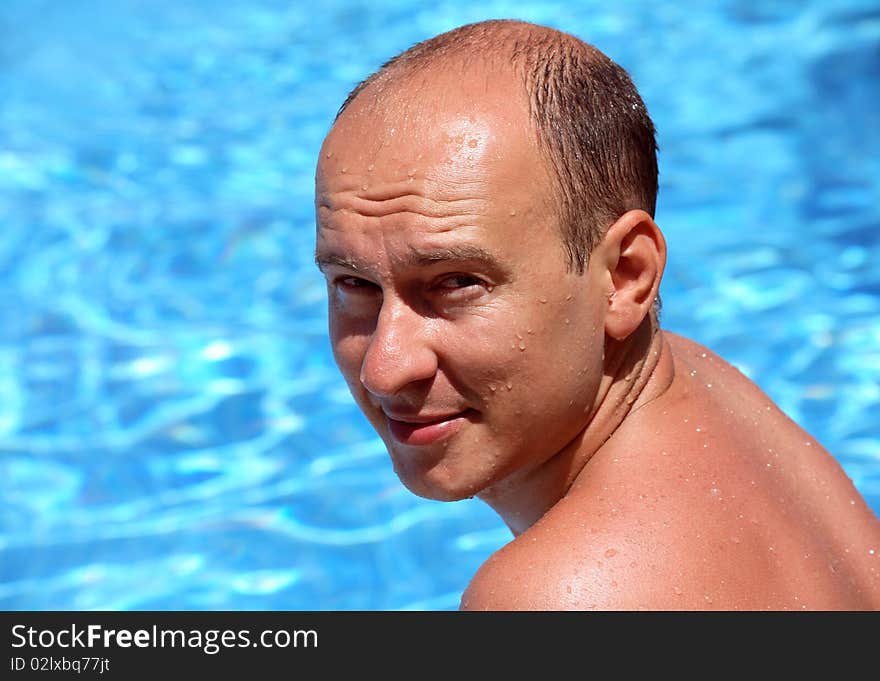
{"x":638,"y":257}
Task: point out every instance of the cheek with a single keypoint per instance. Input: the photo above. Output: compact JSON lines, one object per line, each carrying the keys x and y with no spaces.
{"x":552,"y":353}
{"x":348,"y":349}
{"x":495,"y":361}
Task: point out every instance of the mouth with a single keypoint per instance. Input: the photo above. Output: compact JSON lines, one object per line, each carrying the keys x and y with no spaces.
{"x":420,"y":430}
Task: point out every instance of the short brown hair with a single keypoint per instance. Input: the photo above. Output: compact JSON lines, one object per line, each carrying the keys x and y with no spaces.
{"x":590,"y":121}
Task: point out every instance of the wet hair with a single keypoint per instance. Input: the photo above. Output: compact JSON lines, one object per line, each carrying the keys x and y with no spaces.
{"x":591,"y":123}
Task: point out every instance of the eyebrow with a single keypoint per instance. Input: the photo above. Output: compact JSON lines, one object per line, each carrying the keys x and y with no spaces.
{"x":417,"y":257}
{"x":323,"y":260}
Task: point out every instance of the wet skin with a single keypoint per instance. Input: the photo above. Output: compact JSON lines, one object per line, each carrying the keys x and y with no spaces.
{"x":450,"y":304}
{"x":633,"y":471}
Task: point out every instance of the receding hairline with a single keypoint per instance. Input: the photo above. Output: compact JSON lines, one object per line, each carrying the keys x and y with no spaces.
{"x":514,"y":45}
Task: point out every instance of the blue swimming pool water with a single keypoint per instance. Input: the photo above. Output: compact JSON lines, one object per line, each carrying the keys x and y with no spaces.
{"x":173,"y":432}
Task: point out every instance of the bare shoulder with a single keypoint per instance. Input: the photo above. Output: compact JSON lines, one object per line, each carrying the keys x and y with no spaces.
{"x":691,"y":539}
{"x":583,"y":560}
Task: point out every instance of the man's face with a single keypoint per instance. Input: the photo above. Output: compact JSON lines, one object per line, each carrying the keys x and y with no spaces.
{"x":464,"y":339}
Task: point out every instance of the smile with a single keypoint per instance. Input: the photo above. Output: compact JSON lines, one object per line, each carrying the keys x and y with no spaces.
{"x":420,"y":431}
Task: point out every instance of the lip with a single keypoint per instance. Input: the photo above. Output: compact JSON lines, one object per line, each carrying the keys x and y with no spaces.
{"x":421,"y":430}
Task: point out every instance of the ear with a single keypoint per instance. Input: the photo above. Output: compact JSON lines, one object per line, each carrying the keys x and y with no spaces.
{"x":633,"y":252}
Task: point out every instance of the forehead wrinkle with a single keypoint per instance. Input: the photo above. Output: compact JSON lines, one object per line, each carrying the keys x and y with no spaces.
{"x":341,"y":221}
{"x":372,"y":203}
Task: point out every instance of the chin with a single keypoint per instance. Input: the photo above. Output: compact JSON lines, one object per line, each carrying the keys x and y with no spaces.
{"x":437,"y":483}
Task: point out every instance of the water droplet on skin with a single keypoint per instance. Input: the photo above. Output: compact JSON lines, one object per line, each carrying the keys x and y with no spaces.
{"x":567,"y":320}
{"x":569,"y":297}
{"x":708,"y":385}
{"x":703,"y":355}
{"x":694,"y":372}
{"x":364,"y":187}
{"x":522,"y":346}
{"x":529,"y":331}
{"x":329,"y":154}
{"x":370,"y":168}
{"x":492,"y":388}
{"x":543,"y":300}
{"x":510,"y":386}
{"x":676,"y":591}
{"x":610,"y":553}
{"x":344,"y":170}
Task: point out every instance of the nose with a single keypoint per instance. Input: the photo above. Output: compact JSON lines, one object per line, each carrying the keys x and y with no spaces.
{"x":399,"y":352}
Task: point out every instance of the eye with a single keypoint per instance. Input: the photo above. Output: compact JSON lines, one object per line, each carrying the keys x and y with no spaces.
{"x":457,"y":282}
{"x":355,"y":285}
{"x":461,"y":288}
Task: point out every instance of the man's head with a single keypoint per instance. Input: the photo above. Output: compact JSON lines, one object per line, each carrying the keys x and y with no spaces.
{"x":469,"y":332}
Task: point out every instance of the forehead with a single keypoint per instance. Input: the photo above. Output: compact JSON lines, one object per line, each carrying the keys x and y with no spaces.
{"x":446,"y":118}
{"x":435,"y":162}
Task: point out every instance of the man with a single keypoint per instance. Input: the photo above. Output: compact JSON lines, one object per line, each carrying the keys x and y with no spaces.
{"x":484,"y":206}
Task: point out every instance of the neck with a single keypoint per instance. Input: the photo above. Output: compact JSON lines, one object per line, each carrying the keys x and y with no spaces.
{"x":638,"y":369}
